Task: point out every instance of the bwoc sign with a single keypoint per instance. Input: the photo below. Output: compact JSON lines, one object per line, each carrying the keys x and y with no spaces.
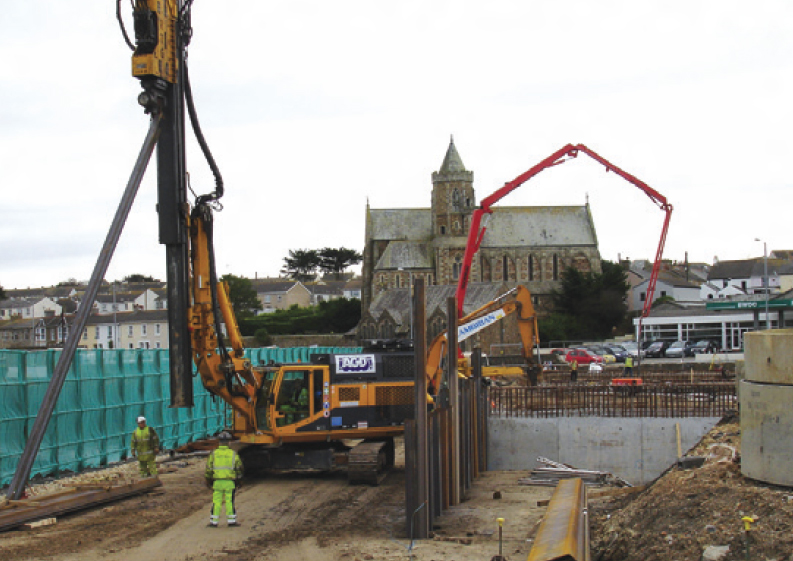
{"x":750,"y":304}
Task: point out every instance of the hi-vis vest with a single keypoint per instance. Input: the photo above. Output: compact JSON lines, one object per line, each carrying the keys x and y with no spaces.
{"x":144,"y":441}
{"x":224,"y":463}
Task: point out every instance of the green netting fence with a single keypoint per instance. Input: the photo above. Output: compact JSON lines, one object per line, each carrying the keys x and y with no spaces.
{"x":104,"y":392}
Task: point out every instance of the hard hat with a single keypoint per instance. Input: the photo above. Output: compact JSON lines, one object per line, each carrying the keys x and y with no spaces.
{"x":141,"y":419}
{"x":224,"y":436}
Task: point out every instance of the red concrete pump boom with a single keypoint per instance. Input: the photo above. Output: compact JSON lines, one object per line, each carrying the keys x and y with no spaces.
{"x":477,"y":229}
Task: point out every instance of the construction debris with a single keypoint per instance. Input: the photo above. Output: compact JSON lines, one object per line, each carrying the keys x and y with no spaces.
{"x":18,"y":513}
{"x":40,"y":523}
{"x":551,"y":475}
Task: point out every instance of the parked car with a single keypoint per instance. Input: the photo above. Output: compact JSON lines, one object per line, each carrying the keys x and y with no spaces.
{"x":608,"y":358}
{"x":706,"y":346}
{"x":619,"y":352}
{"x":633,"y":349}
{"x":656,"y":349}
{"x":582,"y":356}
{"x":680,"y":349}
{"x":557,"y":355}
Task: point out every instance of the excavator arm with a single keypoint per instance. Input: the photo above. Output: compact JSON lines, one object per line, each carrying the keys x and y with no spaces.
{"x":227,"y":374}
{"x":487,"y":315}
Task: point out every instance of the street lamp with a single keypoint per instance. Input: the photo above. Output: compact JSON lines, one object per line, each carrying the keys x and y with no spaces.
{"x":765,"y":282}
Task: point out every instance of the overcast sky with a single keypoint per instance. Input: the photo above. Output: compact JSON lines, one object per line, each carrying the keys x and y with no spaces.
{"x":311,"y":108}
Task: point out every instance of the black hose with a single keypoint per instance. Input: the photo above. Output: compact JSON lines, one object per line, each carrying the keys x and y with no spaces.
{"x":201,"y":141}
{"x":121,"y":24}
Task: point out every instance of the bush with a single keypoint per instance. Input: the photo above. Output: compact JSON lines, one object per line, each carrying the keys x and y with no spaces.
{"x":336,"y":316}
{"x":263,"y":337}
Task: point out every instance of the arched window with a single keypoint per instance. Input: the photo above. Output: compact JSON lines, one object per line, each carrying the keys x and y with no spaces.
{"x":443,"y":230}
{"x":555,"y":267}
{"x":456,"y":200}
{"x":531,"y":267}
{"x":457,"y":267}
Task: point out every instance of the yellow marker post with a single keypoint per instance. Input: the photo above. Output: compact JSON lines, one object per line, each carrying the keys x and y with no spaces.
{"x":747,"y":528}
{"x":500,"y":556}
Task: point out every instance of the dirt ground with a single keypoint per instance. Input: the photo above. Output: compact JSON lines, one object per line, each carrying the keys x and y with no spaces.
{"x":690,"y":514}
{"x":687,"y":514}
{"x":285,"y":517}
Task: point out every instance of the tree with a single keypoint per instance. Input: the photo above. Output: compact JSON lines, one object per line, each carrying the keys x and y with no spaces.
{"x":335,"y":261}
{"x":595,"y":301}
{"x":301,"y":264}
{"x":137,"y":277}
{"x":2,"y":293}
{"x":243,"y":296}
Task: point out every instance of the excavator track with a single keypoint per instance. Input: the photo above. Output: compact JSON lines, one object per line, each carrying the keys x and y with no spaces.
{"x":369,"y":461}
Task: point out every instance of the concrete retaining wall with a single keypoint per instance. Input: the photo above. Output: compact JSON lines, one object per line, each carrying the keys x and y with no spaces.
{"x":636,"y":449}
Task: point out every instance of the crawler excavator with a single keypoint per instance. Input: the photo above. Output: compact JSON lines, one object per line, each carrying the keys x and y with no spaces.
{"x":296,"y":416}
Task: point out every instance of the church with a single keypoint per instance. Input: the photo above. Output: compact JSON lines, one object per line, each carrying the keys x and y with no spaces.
{"x":531,"y":246}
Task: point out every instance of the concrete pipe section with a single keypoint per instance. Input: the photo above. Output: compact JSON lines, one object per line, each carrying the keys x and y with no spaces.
{"x":766,"y":415}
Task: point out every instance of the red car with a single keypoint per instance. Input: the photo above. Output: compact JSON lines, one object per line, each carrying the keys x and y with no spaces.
{"x":582,"y":356}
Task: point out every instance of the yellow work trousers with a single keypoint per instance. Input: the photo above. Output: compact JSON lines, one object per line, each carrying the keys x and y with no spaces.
{"x":147,"y":465}
{"x":223,"y":491}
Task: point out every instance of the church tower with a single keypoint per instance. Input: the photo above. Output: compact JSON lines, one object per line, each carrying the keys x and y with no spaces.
{"x":452,"y":205}
{"x":452,"y":196}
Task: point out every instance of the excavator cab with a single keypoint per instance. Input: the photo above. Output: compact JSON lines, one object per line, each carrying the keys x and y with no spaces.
{"x":291,"y":397}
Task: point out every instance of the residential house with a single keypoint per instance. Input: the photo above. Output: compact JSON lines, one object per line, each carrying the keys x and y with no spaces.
{"x":28,"y":308}
{"x":281,"y":294}
{"x":352,"y":289}
{"x":17,"y":333}
{"x":748,"y":275}
{"x":668,"y":283}
{"x":52,"y":330}
{"x":139,"y":329}
{"x":144,"y":329}
{"x":53,"y":292}
{"x":107,"y":303}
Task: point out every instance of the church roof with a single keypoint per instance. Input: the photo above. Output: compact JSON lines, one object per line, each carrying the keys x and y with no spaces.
{"x":540,"y":226}
{"x":408,"y":255}
{"x":397,"y":300}
{"x":400,"y":224}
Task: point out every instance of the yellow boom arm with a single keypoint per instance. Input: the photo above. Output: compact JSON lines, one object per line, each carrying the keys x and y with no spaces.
{"x":227,"y":375}
{"x":495,"y":310}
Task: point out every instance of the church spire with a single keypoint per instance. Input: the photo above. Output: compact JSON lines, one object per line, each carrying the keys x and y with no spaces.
{"x":452,"y":163}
